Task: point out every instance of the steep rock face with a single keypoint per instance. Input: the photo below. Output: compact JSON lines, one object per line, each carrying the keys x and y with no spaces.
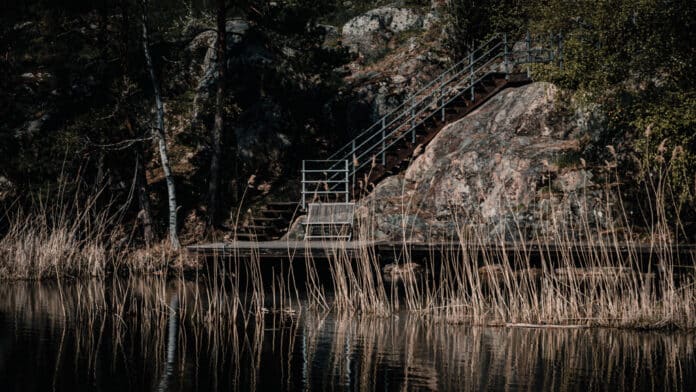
{"x":510,"y":167}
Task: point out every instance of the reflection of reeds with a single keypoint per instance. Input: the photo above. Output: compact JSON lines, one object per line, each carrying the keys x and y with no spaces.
{"x":332,"y":350}
{"x":410,"y":353}
{"x":139,"y":317}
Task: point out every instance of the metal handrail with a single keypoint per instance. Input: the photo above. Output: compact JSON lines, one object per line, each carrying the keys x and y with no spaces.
{"x":415,"y":114}
{"x":354,"y":146}
{"x":425,"y":103}
{"x":404,"y":134}
{"x":421,"y":90}
{"x":457,"y":76}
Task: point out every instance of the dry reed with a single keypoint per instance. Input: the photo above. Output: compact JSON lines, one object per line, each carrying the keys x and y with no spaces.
{"x":59,"y":237}
{"x":577,"y":270}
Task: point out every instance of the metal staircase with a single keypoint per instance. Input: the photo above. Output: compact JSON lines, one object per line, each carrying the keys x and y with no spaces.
{"x":387,"y":146}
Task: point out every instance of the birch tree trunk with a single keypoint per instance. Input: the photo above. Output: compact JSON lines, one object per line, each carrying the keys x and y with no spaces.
{"x":216,"y":133}
{"x":159,"y":131}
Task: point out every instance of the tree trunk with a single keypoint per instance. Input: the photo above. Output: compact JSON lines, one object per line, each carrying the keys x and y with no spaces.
{"x":159,"y":131}
{"x":144,"y":200}
{"x":142,"y":189}
{"x":216,"y":134}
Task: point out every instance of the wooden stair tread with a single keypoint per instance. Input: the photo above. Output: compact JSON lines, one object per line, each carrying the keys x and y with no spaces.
{"x":282,"y":204}
{"x":266,"y":219}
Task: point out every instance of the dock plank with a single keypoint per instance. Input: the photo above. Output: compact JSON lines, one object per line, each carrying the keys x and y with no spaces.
{"x":292,"y":249}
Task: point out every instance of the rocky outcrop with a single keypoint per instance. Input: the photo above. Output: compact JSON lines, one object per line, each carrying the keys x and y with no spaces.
{"x":511,"y":167}
{"x":397,"y":52}
{"x":369,"y":33}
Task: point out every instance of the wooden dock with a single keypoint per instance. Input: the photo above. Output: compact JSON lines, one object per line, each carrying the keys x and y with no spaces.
{"x":282,"y":248}
{"x":291,"y":250}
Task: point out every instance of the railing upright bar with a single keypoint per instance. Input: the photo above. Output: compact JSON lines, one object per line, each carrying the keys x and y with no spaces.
{"x":304,"y":185}
{"x":506,"y":60}
{"x":471,"y":74}
{"x":528,"y":41}
{"x":413,"y":123}
{"x":353,"y":159}
{"x":442,"y":101}
{"x":550,"y":45}
{"x":346,"y":181}
{"x":384,"y":156}
{"x":560,"y":50}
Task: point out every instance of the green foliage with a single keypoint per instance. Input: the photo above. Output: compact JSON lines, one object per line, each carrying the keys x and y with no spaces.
{"x":469,"y":22}
{"x":634,"y":58}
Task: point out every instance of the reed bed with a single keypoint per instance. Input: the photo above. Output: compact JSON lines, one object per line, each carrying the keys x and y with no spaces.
{"x":583,"y":271}
{"x":588,"y":268}
{"x":59,"y":237}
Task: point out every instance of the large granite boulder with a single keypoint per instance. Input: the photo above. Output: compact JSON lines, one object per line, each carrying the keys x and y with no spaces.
{"x":510,"y":168}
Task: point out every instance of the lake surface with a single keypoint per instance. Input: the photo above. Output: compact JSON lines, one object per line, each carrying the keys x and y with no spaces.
{"x":97,"y":337}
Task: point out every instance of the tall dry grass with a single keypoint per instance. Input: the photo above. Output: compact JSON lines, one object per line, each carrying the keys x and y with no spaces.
{"x":58,"y":236}
{"x":590,"y":267}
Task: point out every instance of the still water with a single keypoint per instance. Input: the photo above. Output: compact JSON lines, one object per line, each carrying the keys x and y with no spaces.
{"x":134,"y":336}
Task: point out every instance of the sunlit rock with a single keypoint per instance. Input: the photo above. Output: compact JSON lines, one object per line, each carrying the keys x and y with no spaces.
{"x":367,"y":33}
{"x":508,"y":170}
{"x":401,"y":272}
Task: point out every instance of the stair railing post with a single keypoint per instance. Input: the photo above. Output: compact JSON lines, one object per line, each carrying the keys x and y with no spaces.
{"x":346,"y":180}
{"x":505,"y":57}
{"x":550,"y":48}
{"x":354,"y":158}
{"x":471,"y":74}
{"x":442,"y":103}
{"x":384,"y":143}
{"x":413,"y":120}
{"x":528,"y":42}
{"x":304,"y":189}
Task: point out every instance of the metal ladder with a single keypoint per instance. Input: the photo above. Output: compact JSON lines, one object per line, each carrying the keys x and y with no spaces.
{"x":333,"y":179}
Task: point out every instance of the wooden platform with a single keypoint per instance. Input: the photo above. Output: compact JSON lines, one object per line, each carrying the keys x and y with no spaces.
{"x":284,"y":249}
{"x":281,"y":249}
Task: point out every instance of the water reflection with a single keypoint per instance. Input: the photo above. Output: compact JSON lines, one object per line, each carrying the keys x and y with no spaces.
{"x":158,"y":335}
